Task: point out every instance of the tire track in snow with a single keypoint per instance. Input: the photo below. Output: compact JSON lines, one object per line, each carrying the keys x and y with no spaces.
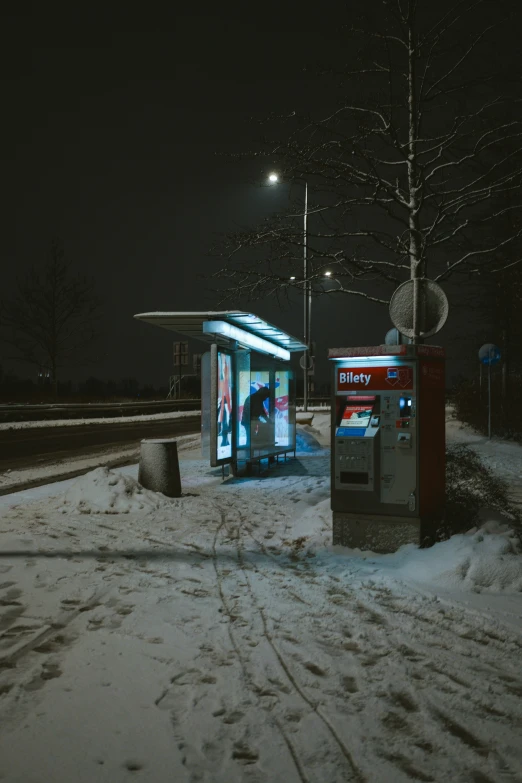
{"x":356,"y":772}
{"x":248,"y":680}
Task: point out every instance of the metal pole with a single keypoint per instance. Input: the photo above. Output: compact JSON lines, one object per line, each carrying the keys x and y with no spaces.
{"x":307,"y":304}
{"x":489,"y":395}
{"x":416,"y":303}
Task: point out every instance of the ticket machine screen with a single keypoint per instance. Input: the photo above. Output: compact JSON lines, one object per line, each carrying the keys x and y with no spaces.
{"x":354,"y":415}
{"x":357,"y":415}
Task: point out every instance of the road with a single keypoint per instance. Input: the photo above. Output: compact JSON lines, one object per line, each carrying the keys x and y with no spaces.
{"x":25,"y":448}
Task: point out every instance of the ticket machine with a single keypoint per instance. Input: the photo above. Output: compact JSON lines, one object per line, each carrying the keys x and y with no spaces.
{"x":388,"y":445}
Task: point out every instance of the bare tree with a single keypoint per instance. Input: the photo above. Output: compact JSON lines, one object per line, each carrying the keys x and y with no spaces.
{"x":409,"y":174}
{"x":50,"y":318}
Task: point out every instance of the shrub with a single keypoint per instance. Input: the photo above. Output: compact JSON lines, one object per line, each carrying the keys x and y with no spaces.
{"x":470,"y":487}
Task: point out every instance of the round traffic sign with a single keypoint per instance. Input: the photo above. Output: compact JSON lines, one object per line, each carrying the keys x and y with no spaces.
{"x":394,"y":337}
{"x":433,"y":307}
{"x":489,"y":354}
{"x":304,"y":364}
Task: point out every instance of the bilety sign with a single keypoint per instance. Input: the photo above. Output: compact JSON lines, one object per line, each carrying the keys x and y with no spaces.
{"x":355,"y":378}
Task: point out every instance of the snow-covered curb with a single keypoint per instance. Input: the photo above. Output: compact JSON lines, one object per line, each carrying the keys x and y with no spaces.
{"x":30,"y":425}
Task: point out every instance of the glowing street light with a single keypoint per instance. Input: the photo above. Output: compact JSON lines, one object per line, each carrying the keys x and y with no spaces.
{"x":273,"y":178}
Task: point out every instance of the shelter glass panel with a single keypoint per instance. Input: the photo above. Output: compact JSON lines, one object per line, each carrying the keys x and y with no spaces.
{"x":205,"y":405}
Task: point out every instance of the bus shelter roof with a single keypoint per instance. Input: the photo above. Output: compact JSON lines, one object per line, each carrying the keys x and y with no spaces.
{"x":190,"y":324}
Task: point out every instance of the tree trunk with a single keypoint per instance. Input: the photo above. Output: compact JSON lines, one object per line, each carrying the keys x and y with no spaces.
{"x":415,"y":251}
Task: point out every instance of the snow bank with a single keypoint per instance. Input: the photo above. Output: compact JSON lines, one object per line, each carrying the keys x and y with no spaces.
{"x":479,"y":562}
{"x":483,"y":560}
{"x":305,"y":440}
{"x":315,"y":436}
{"x":105,"y":491}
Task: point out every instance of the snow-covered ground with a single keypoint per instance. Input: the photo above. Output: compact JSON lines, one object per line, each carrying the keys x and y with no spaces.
{"x":219,"y":637}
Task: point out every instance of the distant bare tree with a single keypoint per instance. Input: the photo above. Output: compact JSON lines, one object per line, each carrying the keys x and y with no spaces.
{"x":409,"y":173}
{"x":50,"y":318}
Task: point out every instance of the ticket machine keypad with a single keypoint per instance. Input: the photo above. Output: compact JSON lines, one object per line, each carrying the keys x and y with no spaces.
{"x":354,"y":463}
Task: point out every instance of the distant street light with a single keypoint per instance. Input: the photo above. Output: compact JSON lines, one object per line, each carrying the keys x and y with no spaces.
{"x":273,"y":178}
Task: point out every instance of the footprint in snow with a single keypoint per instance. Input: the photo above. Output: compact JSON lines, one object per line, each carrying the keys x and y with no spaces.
{"x":244,"y":754}
{"x":349,"y":684}
{"x":50,"y":671}
{"x":314,"y":669}
{"x":233,"y":717}
{"x":132,"y":765}
{"x":404,"y":700}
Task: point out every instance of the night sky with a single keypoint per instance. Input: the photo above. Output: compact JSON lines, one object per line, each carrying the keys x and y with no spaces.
{"x":116,"y":122}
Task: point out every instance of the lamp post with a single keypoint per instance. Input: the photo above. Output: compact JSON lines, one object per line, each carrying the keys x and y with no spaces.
{"x":273,"y":178}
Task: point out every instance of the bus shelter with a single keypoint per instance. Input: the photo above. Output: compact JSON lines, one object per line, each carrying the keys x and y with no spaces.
{"x":247,"y":385}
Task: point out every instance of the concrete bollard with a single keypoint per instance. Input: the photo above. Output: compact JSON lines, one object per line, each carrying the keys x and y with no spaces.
{"x":159,"y":466}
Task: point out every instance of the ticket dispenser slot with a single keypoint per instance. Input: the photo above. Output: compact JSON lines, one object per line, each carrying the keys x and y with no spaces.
{"x":404,"y":440}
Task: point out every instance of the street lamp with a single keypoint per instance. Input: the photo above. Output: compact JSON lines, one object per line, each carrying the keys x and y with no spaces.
{"x":273,"y":178}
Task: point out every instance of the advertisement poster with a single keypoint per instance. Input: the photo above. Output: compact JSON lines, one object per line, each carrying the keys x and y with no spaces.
{"x":224,"y":406}
{"x":244,"y":391}
{"x":254,"y":406}
{"x":282,"y":428}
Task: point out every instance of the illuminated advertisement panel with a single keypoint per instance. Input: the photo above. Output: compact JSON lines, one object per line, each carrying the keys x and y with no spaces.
{"x":282,"y":424}
{"x":244,"y":392}
{"x":255,"y":410}
{"x":224,"y":406}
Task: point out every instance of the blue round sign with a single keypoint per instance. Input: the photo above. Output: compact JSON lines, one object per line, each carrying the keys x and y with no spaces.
{"x":489,"y":354}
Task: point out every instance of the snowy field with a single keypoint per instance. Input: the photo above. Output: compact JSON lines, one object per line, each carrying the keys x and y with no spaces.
{"x":219,"y":637}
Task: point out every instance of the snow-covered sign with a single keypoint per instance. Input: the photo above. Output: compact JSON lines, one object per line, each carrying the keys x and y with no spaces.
{"x":431,"y":308}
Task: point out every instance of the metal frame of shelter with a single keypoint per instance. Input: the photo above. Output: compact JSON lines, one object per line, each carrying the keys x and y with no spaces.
{"x":247,"y":355}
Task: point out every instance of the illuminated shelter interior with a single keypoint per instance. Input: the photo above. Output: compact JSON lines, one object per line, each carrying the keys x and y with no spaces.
{"x":247,"y":385}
